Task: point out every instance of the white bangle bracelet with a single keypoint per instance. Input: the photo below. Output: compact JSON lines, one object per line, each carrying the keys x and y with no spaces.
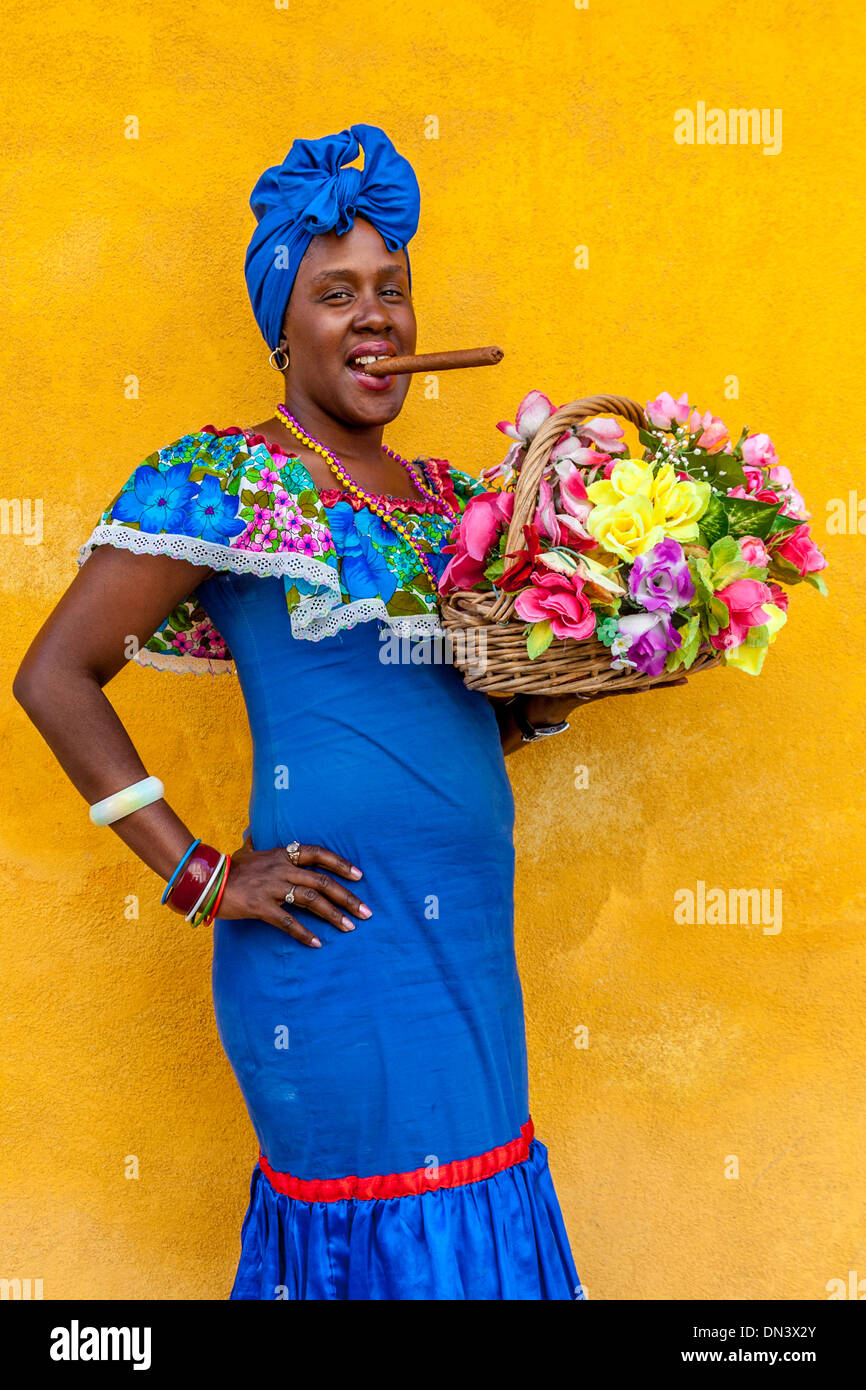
{"x":193,"y":910}
{"x":124,"y":802}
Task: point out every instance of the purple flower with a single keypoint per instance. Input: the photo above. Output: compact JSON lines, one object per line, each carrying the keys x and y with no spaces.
{"x":644,"y":641}
{"x":659,"y":580}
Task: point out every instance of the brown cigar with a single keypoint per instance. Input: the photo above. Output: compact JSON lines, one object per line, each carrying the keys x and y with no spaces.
{"x":436,"y":361}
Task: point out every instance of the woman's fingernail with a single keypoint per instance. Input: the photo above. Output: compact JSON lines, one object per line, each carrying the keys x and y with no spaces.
{"x":314,"y":941}
{"x":356,"y":873}
{"x":349,"y":925}
{"x":365,"y":911}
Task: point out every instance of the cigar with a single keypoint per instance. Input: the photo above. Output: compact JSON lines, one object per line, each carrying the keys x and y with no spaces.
{"x":436,"y":361}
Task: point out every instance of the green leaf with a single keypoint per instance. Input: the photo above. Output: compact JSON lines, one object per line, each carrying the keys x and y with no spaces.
{"x":649,"y":441}
{"x":714,"y":522}
{"x":758,"y":636}
{"x":723,"y":471}
{"x":539,"y":638}
{"x":180,"y":619}
{"x":403,"y":603}
{"x":691,"y":640}
{"x":817,"y":583}
{"x":703,"y":577}
{"x":495,"y":569}
{"x":720,"y":611}
{"x":724,"y":552}
{"x":784,"y":523}
{"x":747,"y":517}
{"x":728,"y":573}
{"x":263,"y":499}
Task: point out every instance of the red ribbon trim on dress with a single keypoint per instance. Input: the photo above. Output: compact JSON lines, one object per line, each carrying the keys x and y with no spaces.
{"x":414,"y":1184}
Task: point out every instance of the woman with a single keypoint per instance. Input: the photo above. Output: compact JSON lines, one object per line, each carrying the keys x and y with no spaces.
{"x":364,"y":977}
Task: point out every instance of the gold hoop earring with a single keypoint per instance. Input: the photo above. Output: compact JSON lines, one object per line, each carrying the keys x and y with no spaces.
{"x":278,"y":367}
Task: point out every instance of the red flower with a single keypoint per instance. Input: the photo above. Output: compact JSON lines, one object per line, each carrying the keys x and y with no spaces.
{"x":518,"y":574}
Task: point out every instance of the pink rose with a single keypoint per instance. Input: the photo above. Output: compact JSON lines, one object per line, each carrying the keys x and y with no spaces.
{"x":560,"y":598}
{"x":664,"y":411}
{"x":758,"y":451}
{"x":798,"y":548}
{"x":754,"y":478}
{"x":712,"y":431}
{"x":794,"y":504}
{"x":743,"y":600}
{"x":482,"y":519}
{"x":764,"y":494}
{"x":754,"y":552}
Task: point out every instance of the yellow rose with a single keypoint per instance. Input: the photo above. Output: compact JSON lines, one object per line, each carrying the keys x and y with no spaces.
{"x":678,"y":505}
{"x":629,"y":477}
{"x":664,"y":480}
{"x":751,"y":659}
{"x":627,"y":527}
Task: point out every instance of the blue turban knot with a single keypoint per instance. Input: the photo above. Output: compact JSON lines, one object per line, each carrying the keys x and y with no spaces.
{"x":310,"y":193}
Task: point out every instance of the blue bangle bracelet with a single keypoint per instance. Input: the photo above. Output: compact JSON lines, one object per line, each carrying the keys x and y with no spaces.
{"x":171,"y":881}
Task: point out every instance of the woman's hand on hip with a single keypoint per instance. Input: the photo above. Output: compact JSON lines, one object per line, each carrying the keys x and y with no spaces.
{"x":260,"y":880}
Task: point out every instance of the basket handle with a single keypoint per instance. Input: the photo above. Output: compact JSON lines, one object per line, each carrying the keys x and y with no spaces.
{"x":537,"y":456}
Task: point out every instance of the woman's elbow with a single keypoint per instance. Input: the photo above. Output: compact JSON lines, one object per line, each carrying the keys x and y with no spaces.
{"x":37,"y":684}
{"x":27,"y":685}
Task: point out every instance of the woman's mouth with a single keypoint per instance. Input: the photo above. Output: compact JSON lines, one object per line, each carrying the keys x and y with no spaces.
{"x":363,"y":378}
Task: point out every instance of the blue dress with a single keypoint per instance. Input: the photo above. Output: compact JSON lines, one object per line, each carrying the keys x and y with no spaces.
{"x":385,"y":1074}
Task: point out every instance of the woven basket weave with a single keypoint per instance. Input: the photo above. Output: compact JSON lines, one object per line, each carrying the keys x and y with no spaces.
{"x":489,"y":639}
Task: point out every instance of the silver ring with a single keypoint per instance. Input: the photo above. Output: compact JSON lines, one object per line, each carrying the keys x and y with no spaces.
{"x":290,"y":897}
{"x":293,"y":851}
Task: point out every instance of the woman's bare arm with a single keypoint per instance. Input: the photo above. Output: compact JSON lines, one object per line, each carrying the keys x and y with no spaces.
{"x":113,"y":605}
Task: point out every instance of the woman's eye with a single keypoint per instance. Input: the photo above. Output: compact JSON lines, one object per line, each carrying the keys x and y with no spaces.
{"x":334,"y":294}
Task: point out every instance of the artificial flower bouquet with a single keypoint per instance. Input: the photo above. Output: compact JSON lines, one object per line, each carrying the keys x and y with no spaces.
{"x":613,"y":566}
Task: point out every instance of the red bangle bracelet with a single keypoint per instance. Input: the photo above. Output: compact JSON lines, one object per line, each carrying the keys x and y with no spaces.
{"x":213,"y":912}
{"x":192,"y":882}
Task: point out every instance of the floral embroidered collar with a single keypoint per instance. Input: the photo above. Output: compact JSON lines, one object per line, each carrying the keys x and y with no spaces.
{"x":227,"y":499}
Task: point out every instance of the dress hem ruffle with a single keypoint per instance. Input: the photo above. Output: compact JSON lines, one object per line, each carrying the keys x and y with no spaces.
{"x":499,"y":1238}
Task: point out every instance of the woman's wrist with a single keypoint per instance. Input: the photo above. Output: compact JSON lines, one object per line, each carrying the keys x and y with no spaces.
{"x":549,"y":709}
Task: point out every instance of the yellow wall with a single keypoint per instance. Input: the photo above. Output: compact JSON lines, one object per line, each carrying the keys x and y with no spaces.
{"x":555,"y":130}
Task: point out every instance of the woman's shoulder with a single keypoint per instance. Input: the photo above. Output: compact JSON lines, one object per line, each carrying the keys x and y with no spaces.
{"x":205,"y":493}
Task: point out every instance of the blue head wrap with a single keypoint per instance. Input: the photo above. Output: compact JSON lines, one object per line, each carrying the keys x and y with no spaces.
{"x":310,"y":193}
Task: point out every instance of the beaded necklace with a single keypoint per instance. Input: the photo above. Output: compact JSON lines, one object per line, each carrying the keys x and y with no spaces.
{"x":349,"y":483}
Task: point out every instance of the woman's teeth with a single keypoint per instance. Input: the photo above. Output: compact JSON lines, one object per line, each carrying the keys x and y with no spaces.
{"x":360,"y":362}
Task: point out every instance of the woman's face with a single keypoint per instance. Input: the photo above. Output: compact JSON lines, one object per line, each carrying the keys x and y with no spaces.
{"x":349,"y":290}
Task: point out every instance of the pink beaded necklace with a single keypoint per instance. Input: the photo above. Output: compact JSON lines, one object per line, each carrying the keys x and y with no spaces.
{"x":349,"y":483}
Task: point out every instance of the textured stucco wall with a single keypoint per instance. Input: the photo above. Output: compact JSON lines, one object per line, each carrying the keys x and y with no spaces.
{"x":555,"y":130}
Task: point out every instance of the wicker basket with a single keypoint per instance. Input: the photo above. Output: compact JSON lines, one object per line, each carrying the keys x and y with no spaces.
{"x":489,"y":639}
